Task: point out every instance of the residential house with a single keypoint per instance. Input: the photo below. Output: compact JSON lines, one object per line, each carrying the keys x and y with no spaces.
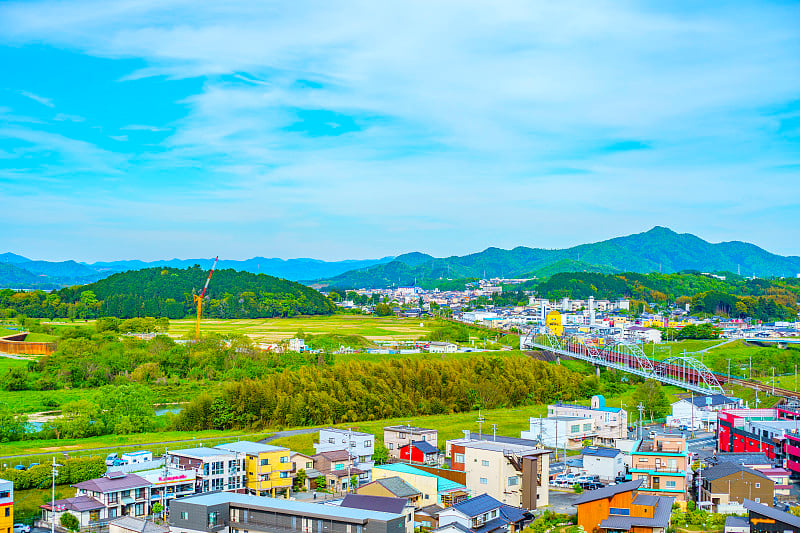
{"x":700,"y":412}
{"x":561,"y":431}
{"x":623,"y":507}
{"x":215,"y":469}
{"x":766,"y":519}
{"x":395,"y":437}
{"x":392,"y":487}
{"x":232,"y":512}
{"x":514,"y":475}
{"x":606,"y":463}
{"x":442,"y":347}
{"x":6,"y":506}
{"x":305,"y":463}
{"x":780,"y":477}
{"x":420,"y":452}
{"x":85,"y":508}
{"x":726,"y":486}
{"x":482,"y":514}
{"x":268,"y":468}
{"x":361,"y":446}
{"x":435,"y":489}
{"x":662,"y":465}
{"x":736,"y":524}
{"x":336,"y":466}
{"x":120,"y":494}
{"x":386,"y":504}
{"x":757,"y":460}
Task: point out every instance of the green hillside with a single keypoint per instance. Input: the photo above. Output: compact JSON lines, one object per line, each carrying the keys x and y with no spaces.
{"x":167,"y":292}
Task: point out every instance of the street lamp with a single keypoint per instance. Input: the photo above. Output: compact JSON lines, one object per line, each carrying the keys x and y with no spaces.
{"x":53,"y":496}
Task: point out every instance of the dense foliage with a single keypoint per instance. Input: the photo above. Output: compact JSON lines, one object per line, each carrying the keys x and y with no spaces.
{"x":72,"y":471}
{"x":370,"y":391}
{"x":167,"y":292}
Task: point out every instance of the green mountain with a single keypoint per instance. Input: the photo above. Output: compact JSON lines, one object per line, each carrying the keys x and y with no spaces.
{"x":657,"y":250}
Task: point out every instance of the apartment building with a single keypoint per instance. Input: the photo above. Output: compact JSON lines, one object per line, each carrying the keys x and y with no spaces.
{"x":6,"y":506}
{"x":512,"y":474}
{"x":359,"y":445}
{"x":561,"y":431}
{"x":268,"y":468}
{"x":662,"y":465}
{"x":215,"y":469}
{"x":168,"y":483}
{"x":435,"y":489}
{"x":235,"y":513}
{"x":700,"y":412}
{"x":337,"y":468}
{"x":392,"y":487}
{"x":394,"y":437}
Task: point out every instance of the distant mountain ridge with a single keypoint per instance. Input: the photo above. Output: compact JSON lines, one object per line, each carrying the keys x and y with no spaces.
{"x":657,"y":250}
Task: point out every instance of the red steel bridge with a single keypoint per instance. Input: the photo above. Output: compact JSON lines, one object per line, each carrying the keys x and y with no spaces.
{"x":683,"y":371}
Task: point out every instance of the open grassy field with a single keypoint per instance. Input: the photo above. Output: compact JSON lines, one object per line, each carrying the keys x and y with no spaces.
{"x":27,"y":502}
{"x":276,"y":329}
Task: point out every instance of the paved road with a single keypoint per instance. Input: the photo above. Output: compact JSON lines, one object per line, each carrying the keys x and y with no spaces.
{"x":288,"y":433}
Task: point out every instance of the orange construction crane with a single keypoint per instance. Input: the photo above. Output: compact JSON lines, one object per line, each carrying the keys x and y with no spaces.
{"x":199,"y":299}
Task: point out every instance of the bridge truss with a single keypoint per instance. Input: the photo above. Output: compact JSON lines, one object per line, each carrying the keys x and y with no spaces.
{"x":681,"y":371}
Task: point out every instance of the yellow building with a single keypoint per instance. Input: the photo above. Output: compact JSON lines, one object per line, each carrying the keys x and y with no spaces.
{"x":6,"y":506}
{"x":268,"y":469}
{"x":553,"y":321}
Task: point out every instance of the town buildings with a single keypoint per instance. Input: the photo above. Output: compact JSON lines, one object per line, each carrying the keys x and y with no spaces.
{"x":394,"y":437}
{"x":268,"y":468}
{"x":482,"y":514}
{"x":359,"y":445}
{"x":435,"y":489}
{"x":336,"y":466}
{"x":214,"y":468}
{"x":420,"y":452}
{"x":606,"y":463}
{"x":568,"y":425}
{"x":700,"y":412}
{"x":392,"y":487}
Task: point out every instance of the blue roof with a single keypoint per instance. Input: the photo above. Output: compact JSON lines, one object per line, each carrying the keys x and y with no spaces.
{"x":443,"y":484}
{"x":600,"y":452}
{"x":477,"y":505}
{"x":218,"y":498}
{"x":424,"y":446}
{"x":711,"y":399}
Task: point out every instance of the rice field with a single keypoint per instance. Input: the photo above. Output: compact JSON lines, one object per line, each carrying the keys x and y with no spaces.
{"x":276,"y":329}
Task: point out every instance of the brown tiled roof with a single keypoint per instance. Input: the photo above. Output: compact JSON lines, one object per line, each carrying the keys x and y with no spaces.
{"x":334,"y":455}
{"x":105,"y":484}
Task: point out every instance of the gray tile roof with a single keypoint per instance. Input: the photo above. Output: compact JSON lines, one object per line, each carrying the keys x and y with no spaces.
{"x":375,"y":503}
{"x":737,"y":521}
{"x":104,"y":484}
{"x":137,"y":524}
{"x":608,"y":492}
{"x":743,"y":458}
{"x":77,"y":503}
{"x":252,"y":448}
{"x":660,"y":518}
{"x":397,"y":486}
{"x":727,"y":469}
{"x":771,"y":512}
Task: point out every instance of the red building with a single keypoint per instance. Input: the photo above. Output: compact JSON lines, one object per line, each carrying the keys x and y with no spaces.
{"x":770,"y":431}
{"x":420,"y":451}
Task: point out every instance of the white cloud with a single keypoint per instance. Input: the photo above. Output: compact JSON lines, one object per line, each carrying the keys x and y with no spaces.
{"x":36,"y":98}
{"x":63,"y":117}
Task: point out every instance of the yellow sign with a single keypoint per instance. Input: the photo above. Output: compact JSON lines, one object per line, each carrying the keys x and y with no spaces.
{"x":762,"y":521}
{"x":553,"y":322}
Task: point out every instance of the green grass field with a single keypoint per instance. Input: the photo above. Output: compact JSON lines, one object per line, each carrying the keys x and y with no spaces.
{"x":276,"y":329}
{"x":27,"y":502}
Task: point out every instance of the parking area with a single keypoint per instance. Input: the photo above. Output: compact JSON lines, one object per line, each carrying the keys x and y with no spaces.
{"x":561,"y":502}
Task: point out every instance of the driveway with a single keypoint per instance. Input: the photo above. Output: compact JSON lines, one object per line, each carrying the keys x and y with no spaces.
{"x":561,"y":502}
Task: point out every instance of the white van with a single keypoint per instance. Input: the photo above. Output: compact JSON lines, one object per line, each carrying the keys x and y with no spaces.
{"x":133,"y":458}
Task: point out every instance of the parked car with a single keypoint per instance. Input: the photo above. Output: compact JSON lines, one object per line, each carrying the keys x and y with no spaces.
{"x":119,"y":462}
{"x":683,"y":427}
{"x":32,"y":465}
{"x":110,"y":458}
{"x":652,"y":434}
{"x":22,"y":528}
{"x":619,"y":479}
{"x":20,"y":467}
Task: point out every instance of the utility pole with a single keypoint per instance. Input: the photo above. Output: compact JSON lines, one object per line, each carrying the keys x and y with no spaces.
{"x":729,"y":367}
{"x":480,"y":424}
{"x":494,"y":432}
{"x":53,"y":498}
{"x":640,"y":407}
{"x":773,"y":381}
{"x":795,"y":378}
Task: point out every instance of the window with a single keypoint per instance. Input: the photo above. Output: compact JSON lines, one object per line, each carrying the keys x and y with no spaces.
{"x":367,"y":444}
{"x":5,"y":494}
{"x":494,"y":513}
{"x":217,"y":484}
{"x":587,"y":427}
{"x":427,"y":497}
{"x":484,"y":481}
{"x":575,"y":429}
{"x":264,"y":462}
{"x":513,"y":481}
{"x":758,"y":500}
{"x":285,"y":459}
{"x":284,"y":474}
{"x":339,"y":466}
{"x":758,"y":485}
{"x":484,"y":463}
{"x":217,"y":467}
{"x":458,"y":457}
{"x":332,"y":441}
{"x":642,"y":459}
{"x":309,"y":464}
{"x":670,"y":484}
{"x":113,"y":497}
{"x":619,"y":511}
{"x":8,"y":511}
{"x":112,"y":513}
{"x":213,"y":519}
{"x":139,"y":509}
{"x":391,"y":446}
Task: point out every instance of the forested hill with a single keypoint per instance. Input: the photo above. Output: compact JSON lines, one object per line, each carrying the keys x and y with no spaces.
{"x":657,"y":250}
{"x":167,"y":292}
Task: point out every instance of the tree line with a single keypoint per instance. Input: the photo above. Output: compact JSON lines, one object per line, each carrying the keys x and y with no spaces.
{"x":358,"y":391}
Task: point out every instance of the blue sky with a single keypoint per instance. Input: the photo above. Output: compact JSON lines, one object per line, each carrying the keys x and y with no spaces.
{"x":172,"y":128}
